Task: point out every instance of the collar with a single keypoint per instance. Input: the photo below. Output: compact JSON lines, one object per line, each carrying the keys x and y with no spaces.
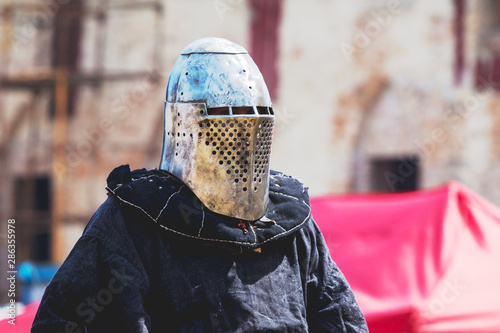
{"x":168,"y":202}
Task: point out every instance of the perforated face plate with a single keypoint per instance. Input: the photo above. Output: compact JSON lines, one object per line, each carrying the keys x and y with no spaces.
{"x":245,"y":158}
{"x":223,"y":159}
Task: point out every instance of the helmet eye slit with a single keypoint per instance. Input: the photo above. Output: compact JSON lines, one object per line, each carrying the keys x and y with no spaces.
{"x":243,"y":110}
{"x":218,"y":111}
{"x":262,"y":110}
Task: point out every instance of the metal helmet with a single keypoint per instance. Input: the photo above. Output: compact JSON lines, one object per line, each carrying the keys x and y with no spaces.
{"x":218,"y":128}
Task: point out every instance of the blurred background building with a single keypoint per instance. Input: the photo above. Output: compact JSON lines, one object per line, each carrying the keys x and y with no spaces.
{"x":372,"y":95}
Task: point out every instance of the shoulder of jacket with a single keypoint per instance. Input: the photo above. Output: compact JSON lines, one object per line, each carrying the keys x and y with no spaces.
{"x":122,"y":175}
{"x":147,"y":190}
{"x":283,"y":184}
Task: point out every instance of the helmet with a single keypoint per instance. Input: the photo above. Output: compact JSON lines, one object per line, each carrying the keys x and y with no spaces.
{"x":218,"y":128}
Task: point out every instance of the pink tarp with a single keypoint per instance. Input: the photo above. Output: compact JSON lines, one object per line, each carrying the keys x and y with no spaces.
{"x":426,"y":261}
{"x":23,"y":320}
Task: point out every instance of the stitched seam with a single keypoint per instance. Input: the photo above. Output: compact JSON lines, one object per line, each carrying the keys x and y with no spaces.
{"x":166,"y":204}
{"x":222,"y":240}
{"x":289,"y":196}
{"x":151,"y":176}
{"x":140,"y":178}
{"x":286,"y":195}
{"x":203,"y":238}
{"x":298,"y":225}
{"x":281,"y":227}
{"x":214,"y":239}
{"x":202,"y":221}
{"x":131,"y":204}
{"x":117,"y":187}
{"x":246,"y":243}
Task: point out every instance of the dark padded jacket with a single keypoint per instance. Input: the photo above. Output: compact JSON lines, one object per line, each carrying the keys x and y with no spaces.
{"x":154,"y":259}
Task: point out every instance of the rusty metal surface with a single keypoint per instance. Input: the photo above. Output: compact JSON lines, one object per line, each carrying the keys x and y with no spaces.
{"x":217,"y":78}
{"x":224,"y":159}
